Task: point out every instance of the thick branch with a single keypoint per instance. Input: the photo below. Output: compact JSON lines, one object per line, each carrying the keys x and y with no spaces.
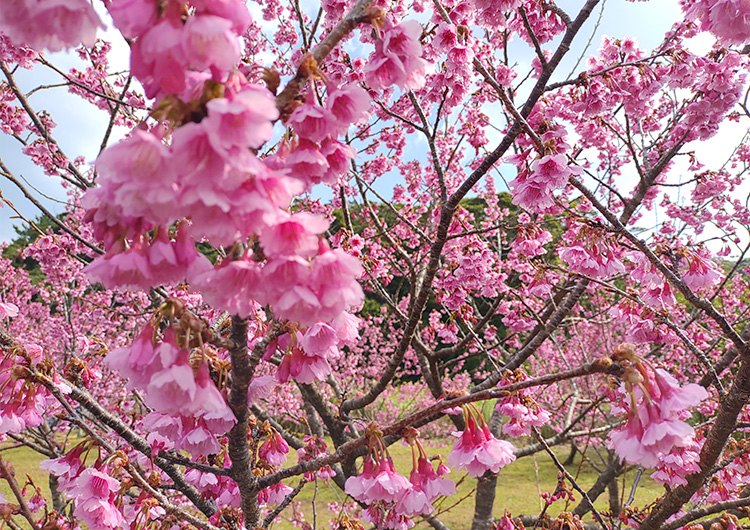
{"x":356,"y":16}
{"x":239,"y":451}
{"x":602,"y":366}
{"x":449,"y":209}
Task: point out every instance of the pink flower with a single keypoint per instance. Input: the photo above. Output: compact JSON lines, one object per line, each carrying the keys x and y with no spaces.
{"x":66,"y":468}
{"x":339,"y":157}
{"x":138,"y":173}
{"x":530,"y":194}
{"x":654,"y":427}
{"x":197,"y":439}
{"x":377,"y":482}
{"x":413,"y":502}
{"x":674,"y":399}
{"x":647,"y":435}
{"x":173,"y":388}
{"x":523,"y":414}
{"x":209,"y":41}
{"x":593,"y":257}
{"x":311,"y":121}
{"x":209,"y":402}
{"x":287,"y":283}
{"x":260,"y":387}
{"x":167,"y":425}
{"x":150,"y":264}
{"x":701,"y":273}
{"x":51,"y":24}
{"x":334,"y":277}
{"x":128,"y":270}
{"x":349,"y":104}
{"x":307,"y":163}
{"x":347,"y":327}
{"x":158,"y":59}
{"x":244,"y":121}
{"x":678,"y":464}
{"x":319,"y":339}
{"x":293,"y":235}
{"x":134,"y":361}
{"x":133,"y":17}
{"x":94,"y":493}
{"x":233,"y":286}
{"x":430,"y":482}
{"x":397,"y":59}
{"x":532,"y":188}
{"x":274,"y":449}
{"x":22,"y":402}
{"x":553,"y":169}
{"x":277,"y":493}
{"x":303,"y":367}
{"x":8,"y":310}
{"x":477,"y":450}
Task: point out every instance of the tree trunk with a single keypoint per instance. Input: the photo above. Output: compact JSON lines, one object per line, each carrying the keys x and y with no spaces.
{"x":486,"y":488}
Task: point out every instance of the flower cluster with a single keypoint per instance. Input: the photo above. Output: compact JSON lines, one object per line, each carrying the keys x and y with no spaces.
{"x":655,"y":413}
{"x":536,"y":180}
{"x":93,"y":489}
{"x":476,"y":449}
{"x":22,"y":401}
{"x":206,"y":173}
{"x":397,"y":59}
{"x":52,"y":25}
{"x":729,"y":20}
{"x":591,"y":252}
{"x":189,"y":409}
{"x":392,"y":499}
{"x":524,"y":412}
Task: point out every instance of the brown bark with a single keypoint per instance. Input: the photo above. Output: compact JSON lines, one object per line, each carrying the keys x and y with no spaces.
{"x":484,"y":501}
{"x":239,"y":452}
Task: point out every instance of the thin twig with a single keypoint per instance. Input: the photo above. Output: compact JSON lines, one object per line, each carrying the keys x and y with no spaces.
{"x":568,"y":476}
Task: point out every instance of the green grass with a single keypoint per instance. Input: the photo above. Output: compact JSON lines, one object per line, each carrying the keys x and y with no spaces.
{"x":518,"y":490}
{"x":24,"y":462}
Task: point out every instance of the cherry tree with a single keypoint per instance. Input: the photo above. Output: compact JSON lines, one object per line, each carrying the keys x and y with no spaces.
{"x":231,"y":280}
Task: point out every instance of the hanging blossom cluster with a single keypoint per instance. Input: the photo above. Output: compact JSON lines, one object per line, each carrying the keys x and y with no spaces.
{"x":22,"y":402}
{"x":521,"y":407}
{"x":656,"y":410}
{"x":205,"y":171}
{"x":729,"y":20}
{"x":95,"y":491}
{"x":539,"y":177}
{"x":52,"y":25}
{"x":476,"y":449}
{"x":392,"y":498}
{"x":174,"y":385}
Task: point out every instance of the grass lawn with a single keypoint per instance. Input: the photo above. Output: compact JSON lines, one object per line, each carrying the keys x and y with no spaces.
{"x":519,"y":486}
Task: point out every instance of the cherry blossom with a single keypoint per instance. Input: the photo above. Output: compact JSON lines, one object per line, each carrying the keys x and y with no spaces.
{"x":50,"y":24}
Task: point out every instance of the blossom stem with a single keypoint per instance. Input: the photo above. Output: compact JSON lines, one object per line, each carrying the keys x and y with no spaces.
{"x":568,"y":476}
{"x":602,"y":366}
{"x":11,"y":480}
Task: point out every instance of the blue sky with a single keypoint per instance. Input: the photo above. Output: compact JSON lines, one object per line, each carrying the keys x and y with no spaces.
{"x":81,"y":126}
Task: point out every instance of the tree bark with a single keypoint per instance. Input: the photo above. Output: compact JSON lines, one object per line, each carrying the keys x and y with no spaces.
{"x":486,"y":488}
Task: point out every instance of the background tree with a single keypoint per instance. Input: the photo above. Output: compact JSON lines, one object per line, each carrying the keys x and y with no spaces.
{"x":198,"y":260}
